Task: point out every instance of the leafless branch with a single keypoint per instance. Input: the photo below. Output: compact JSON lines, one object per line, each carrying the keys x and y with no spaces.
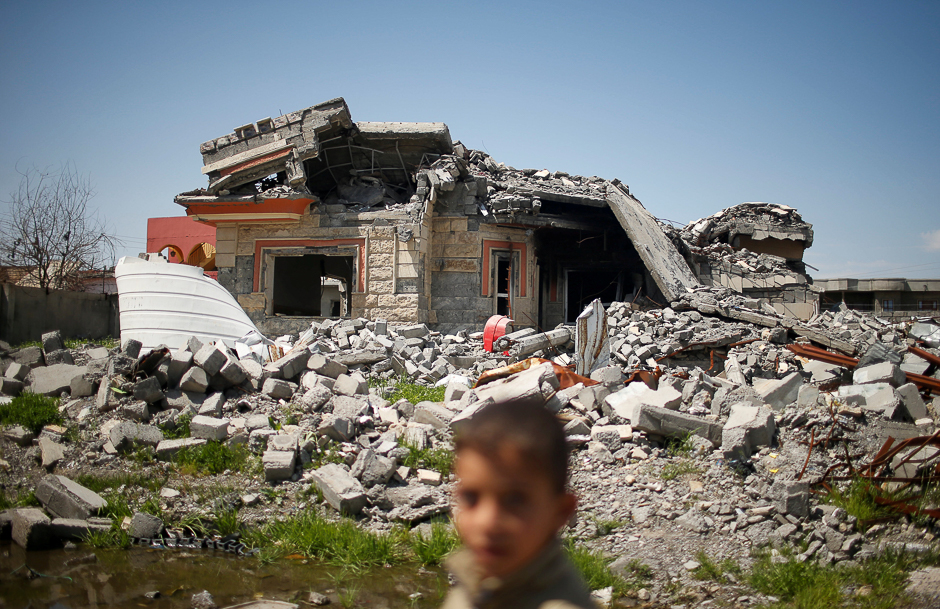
{"x":51,"y":230}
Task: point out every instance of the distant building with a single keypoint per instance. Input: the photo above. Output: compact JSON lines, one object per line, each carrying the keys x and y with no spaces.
{"x":183,"y":240}
{"x":892,"y":298}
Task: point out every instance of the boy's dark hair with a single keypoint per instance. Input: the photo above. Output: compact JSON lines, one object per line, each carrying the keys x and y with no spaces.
{"x":528,"y":428}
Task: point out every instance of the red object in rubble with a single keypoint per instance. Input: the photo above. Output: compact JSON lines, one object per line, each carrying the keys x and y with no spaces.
{"x":495,"y":327}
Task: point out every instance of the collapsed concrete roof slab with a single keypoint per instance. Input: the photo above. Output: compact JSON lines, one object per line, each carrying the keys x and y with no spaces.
{"x":429,"y":133}
{"x":668,"y":268}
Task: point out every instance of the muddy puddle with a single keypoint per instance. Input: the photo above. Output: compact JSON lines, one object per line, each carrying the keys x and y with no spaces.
{"x":85,"y":578}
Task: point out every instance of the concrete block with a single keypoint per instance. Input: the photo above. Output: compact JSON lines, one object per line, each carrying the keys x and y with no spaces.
{"x":821,"y":371}
{"x":577,"y":427}
{"x":413,"y":331}
{"x":167,"y":448}
{"x":180,"y":361}
{"x":791,"y":497}
{"x":340,"y":429}
{"x":208,"y":428}
{"x":98,"y":353}
{"x":126,"y":434}
{"x":626,"y":402}
{"x":389,"y":415}
{"x":195,"y":379}
{"x":32,"y":529}
{"x":19,"y":435}
{"x":278,"y":389}
{"x":278,"y":464}
{"x":65,"y":498}
{"x":53,"y":380}
{"x":608,"y":375}
{"x":883,"y":372}
{"x":351,"y":384}
{"x":372,"y":469}
{"x":131,"y":348}
{"x":233,"y":372}
{"x":211,"y":358}
{"x":76,"y":530}
{"x":340,"y":489}
{"x":748,"y":427}
{"x":808,"y":397}
{"x":283,"y":442}
{"x":105,"y":399}
{"x":671,"y":423}
{"x":912,"y":402}
{"x":52,"y":452}
{"x":523,"y":387}
{"x":608,"y":435}
{"x":148,"y":390}
{"x":212,"y":405}
{"x":62,"y":356}
{"x":325,"y":366}
{"x":30,"y":357}
{"x":17,"y":371}
{"x":145,"y":525}
{"x":292,"y":364}
{"x":52,"y":341}
{"x":429,"y":477}
{"x":780,"y":393}
{"x":433,"y":414}
{"x":11,"y":387}
{"x":136,"y":411}
{"x":349,"y":407}
{"x":81,"y":387}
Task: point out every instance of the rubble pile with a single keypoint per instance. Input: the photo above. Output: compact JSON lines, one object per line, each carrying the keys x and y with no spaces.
{"x":704,"y":430}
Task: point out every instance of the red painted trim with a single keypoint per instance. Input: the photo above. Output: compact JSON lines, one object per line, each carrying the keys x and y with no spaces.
{"x":271,"y":243}
{"x":505,"y":245}
{"x":266,"y":206}
{"x":271,"y":156}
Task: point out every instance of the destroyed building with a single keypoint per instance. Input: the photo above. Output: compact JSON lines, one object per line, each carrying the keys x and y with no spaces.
{"x":409,"y":225}
{"x":755,"y":249}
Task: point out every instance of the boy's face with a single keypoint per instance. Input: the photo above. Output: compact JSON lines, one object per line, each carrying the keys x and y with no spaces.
{"x":506,"y":511}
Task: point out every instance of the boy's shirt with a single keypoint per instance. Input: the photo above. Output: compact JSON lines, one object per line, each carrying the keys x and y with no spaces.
{"x":550,"y":581}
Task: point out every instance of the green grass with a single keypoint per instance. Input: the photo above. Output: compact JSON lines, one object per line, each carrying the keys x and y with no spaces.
{"x":431,"y":550}
{"x":438,"y":459}
{"x":680,"y":447}
{"x":226,"y":521}
{"x":606,"y":527}
{"x":594,"y":568}
{"x":75,"y":343}
{"x":211,"y":458}
{"x":414,"y":393}
{"x":178,"y":431}
{"x":117,"y":507}
{"x":115,"y":537}
{"x":809,"y":584}
{"x":100,"y":483}
{"x":323,"y":455}
{"x":715,"y":571}
{"x":340,"y":543}
{"x":32,"y":411}
{"x":27,"y":499}
{"x":673,"y":470}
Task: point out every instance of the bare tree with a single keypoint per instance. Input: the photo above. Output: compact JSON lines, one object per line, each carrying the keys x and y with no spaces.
{"x":50,"y":229}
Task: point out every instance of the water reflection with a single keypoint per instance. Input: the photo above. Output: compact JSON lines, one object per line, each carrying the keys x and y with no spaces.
{"x":86,"y":578}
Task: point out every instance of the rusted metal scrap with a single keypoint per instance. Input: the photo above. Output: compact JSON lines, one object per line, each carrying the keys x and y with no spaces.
{"x":923,"y":382}
{"x":566,"y":377}
{"x":909,"y":462}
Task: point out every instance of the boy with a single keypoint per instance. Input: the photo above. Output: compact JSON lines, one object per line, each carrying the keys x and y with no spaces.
{"x":511,"y":501}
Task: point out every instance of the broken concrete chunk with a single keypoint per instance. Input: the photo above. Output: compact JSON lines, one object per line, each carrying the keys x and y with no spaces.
{"x":62,"y":356}
{"x":208,"y":428}
{"x":884,"y":372}
{"x":912,"y":402}
{"x":354,"y":384}
{"x":76,"y":530}
{"x":126,"y":434}
{"x":148,"y":390}
{"x":433,"y":414}
{"x":278,"y":389}
{"x":195,"y":380}
{"x":145,"y":525}
{"x":52,"y":341}
{"x":343,"y":492}
{"x":53,"y":380}
{"x":32,"y":529}
{"x":780,"y":393}
{"x":66,"y":498}
{"x":292,"y":364}
{"x":278,"y":464}
{"x":748,"y":428}
{"x":671,"y":423}
{"x":167,"y":448}
{"x":180,"y":361}
{"x":52,"y":452}
{"x":210,"y":358}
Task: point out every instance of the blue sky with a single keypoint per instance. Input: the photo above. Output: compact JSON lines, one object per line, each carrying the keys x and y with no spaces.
{"x":829,"y":107}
